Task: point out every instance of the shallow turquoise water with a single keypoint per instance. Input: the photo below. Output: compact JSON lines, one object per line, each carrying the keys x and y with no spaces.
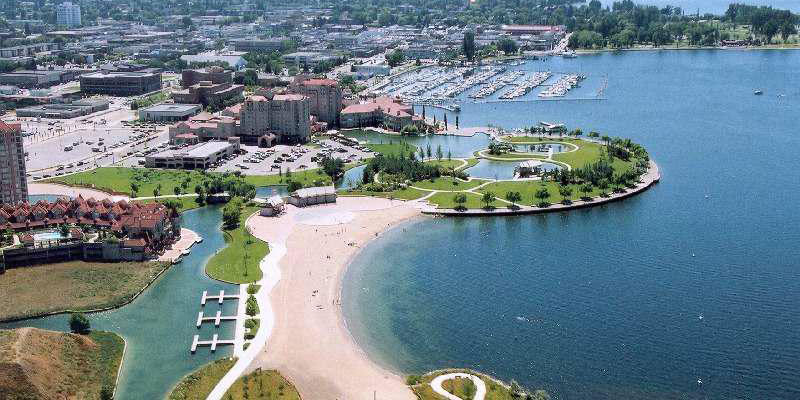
{"x":687,"y":291}
{"x":159,"y":325}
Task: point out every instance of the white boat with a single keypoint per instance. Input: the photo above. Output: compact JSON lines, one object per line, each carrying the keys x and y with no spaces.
{"x":569,"y":54}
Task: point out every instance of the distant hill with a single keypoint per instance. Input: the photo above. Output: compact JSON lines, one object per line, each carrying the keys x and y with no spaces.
{"x":38,"y":364}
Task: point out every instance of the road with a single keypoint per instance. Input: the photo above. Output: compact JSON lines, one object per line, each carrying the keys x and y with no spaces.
{"x":436,"y":385}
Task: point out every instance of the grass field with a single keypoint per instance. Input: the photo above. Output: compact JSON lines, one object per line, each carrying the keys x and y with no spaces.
{"x":40,"y":364}
{"x":198,"y":384}
{"x":268,"y":385}
{"x":186,"y":203}
{"x":445,"y":200}
{"x":403,"y":194}
{"x":119,"y":179}
{"x":528,"y":189}
{"x":465,"y":389}
{"x":238,"y":261}
{"x":73,"y":285}
{"x":448,"y":183}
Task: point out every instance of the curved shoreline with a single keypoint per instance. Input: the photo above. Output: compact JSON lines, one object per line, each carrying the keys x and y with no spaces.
{"x":652,"y":177}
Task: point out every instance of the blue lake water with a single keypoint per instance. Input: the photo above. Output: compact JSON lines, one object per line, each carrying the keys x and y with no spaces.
{"x":687,"y":291}
{"x":159,"y":325}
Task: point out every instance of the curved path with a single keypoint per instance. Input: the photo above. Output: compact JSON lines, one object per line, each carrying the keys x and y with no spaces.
{"x":436,"y":385}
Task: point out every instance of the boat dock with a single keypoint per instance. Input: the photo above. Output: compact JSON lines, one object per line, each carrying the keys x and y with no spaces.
{"x":214,"y":342}
{"x":217,"y":318}
{"x":220,"y":297}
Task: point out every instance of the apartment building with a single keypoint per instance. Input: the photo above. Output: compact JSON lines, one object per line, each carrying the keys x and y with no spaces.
{"x":325,"y":98}
{"x":68,"y":14}
{"x":13,"y":185}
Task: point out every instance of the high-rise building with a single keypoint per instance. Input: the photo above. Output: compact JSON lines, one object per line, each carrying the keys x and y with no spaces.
{"x":325,"y":96}
{"x":13,"y":185}
{"x":68,"y":14}
{"x":285,"y":115}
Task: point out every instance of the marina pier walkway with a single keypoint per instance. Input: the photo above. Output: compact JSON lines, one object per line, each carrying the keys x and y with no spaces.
{"x":220,"y":297}
{"x":217,"y":318}
{"x":214,"y":342}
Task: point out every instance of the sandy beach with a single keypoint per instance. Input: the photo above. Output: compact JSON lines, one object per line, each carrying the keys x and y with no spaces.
{"x":310,"y":343}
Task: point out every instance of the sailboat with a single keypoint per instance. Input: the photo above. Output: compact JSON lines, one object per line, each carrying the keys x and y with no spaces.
{"x":758,"y":92}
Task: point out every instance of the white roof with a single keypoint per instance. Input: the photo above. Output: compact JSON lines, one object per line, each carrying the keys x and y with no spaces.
{"x":315,"y":191}
{"x":531,"y":164}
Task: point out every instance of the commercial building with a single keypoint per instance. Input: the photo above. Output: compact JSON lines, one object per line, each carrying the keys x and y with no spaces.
{"x":383,"y":111}
{"x":27,"y":50}
{"x":121,"y":83}
{"x":216,"y":75}
{"x":64,"y":111}
{"x":325,"y":97}
{"x":308,"y":59}
{"x":31,"y":79}
{"x":68,"y":14}
{"x":13,"y":184}
{"x":199,"y":156}
{"x":169,"y":112}
{"x":287,"y":116}
{"x":207,"y":92}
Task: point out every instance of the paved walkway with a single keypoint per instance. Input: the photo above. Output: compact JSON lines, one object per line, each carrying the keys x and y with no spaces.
{"x":436,"y":385}
{"x":187,"y":240}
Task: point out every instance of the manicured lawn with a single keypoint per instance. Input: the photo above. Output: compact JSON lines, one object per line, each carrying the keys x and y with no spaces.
{"x":269,"y":385}
{"x":185,"y":203}
{"x":445,"y":200}
{"x":119,"y":179}
{"x":464,"y":388}
{"x":41,"y":364}
{"x":73,"y":285}
{"x":448,"y":183}
{"x":198,"y":384}
{"x":445,"y":163}
{"x":238,"y":261}
{"x":528,"y":189}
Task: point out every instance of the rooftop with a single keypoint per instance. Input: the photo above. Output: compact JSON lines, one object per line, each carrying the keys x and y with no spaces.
{"x":171,"y":107}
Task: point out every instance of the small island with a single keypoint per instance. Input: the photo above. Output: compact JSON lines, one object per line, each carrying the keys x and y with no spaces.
{"x":468,"y":385}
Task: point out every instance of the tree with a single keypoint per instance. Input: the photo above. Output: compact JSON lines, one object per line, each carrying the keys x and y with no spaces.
{"x":488,"y":198}
{"x":428,"y":151}
{"x":134,"y":189}
{"x":586,"y":189}
{"x":231,"y":214}
{"x":294,"y":186}
{"x":507,"y":45}
{"x":542,"y":195}
{"x":565,"y":192}
{"x":603,"y":186}
{"x":333,"y":167}
{"x":513,"y":197}
{"x":460,"y":199}
{"x":787,"y":29}
{"x":177,"y":190}
{"x":395,"y":58}
{"x":106,"y":393}
{"x":468,"y":45}
{"x":439,"y":153}
{"x":78,"y":323}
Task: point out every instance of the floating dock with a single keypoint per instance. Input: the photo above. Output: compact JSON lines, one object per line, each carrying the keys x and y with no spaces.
{"x":214,"y":342}
{"x":217,"y":318}
{"x":220,"y":297}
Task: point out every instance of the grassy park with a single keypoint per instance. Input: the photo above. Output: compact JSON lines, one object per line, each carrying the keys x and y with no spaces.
{"x":261,"y":384}
{"x":73,"y":286}
{"x":238,"y":261}
{"x":465,"y":388}
{"x":198,"y":384}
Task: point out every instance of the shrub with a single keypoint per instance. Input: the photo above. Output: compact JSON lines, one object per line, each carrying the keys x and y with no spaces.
{"x":78,"y":323}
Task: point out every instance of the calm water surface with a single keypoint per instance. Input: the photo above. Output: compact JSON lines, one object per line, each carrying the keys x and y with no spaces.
{"x":687,"y":291}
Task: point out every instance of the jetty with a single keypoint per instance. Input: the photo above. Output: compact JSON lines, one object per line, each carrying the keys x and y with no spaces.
{"x":220,"y":297}
{"x":217,"y":318}
{"x":214,"y":342}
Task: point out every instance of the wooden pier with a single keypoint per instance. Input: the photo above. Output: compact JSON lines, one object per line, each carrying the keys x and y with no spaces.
{"x":217,"y":318}
{"x":214,"y":342}
{"x":220,"y":297}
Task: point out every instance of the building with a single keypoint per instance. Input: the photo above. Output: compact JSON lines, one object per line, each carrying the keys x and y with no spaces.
{"x":308,"y":59}
{"x":31,"y":79}
{"x":64,"y":111}
{"x":208,"y":92}
{"x":287,"y":116}
{"x":68,"y":14}
{"x":216,"y":75}
{"x":199,"y":156}
{"x":519,"y":30}
{"x":13,"y":180}
{"x":325,"y":97}
{"x":366,"y":71}
{"x":169,"y":112}
{"x":121,"y":83}
{"x":313,"y":195}
{"x":259,"y":45}
{"x":235,"y":62}
{"x":380,"y":112}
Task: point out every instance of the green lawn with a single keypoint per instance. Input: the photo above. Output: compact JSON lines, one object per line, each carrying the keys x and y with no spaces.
{"x":198,"y":384}
{"x":528,"y":189}
{"x":239,"y":261}
{"x":445,"y":163}
{"x":448,"y":183}
{"x":445,"y":200}
{"x":465,"y":389}
{"x":268,"y":385}
{"x":185,"y":203}
{"x":119,"y":179}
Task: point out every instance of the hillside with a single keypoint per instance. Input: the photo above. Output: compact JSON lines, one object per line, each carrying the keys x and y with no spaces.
{"x":39,"y":364}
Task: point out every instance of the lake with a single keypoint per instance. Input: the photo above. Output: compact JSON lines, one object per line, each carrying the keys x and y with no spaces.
{"x":687,"y":291}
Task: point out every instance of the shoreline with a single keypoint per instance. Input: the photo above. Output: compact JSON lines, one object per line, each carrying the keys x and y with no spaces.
{"x":688,"y":48}
{"x":312,"y":346}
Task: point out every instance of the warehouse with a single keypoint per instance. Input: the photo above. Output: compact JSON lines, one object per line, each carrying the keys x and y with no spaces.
{"x":169,"y":112}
